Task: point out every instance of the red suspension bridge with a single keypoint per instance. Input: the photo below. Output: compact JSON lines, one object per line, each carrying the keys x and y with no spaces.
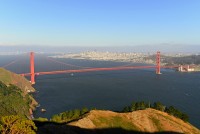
{"x":32,"y":73}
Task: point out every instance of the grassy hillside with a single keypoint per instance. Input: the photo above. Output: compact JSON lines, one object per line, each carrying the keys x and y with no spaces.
{"x":13,"y":102}
{"x":149,"y":120}
{"x":14,"y":97}
{"x":8,"y":77}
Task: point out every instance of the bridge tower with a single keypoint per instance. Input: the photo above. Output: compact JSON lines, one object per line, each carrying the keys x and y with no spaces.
{"x":32,"y":68}
{"x":158,"y":62}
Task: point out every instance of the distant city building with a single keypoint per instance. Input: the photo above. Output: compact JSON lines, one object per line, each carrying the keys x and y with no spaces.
{"x":187,"y":68}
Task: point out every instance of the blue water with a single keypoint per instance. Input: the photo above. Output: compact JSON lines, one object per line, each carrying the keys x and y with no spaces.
{"x":111,"y":89}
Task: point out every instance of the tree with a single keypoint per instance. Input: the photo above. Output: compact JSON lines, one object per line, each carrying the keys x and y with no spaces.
{"x":70,"y":114}
{"x":76,"y":113}
{"x":185,"y":117}
{"x":2,"y":85}
{"x":41,"y":119}
{"x":175,"y":112}
{"x":16,"y":125}
{"x":159,"y":106}
{"x":140,"y":105}
{"x":84,"y":110}
{"x":13,"y":101}
{"x":132,"y":107}
{"x":56,"y":118}
{"x":170,"y":110}
{"x":126,"y":109}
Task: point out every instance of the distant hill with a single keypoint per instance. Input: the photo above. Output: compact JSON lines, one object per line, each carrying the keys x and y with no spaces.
{"x":108,"y":122}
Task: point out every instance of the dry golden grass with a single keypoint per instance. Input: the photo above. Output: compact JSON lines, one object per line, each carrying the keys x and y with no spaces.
{"x":148,"y":120}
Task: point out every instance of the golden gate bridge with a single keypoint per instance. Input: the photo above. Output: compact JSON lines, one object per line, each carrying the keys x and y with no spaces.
{"x":32,"y":73}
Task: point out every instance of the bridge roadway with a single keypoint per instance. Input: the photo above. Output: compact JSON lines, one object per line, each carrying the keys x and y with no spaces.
{"x":97,"y":69}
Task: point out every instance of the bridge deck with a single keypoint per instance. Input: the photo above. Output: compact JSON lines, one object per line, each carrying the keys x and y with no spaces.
{"x":96,"y":69}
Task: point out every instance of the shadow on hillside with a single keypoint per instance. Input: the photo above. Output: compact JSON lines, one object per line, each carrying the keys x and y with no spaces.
{"x":62,"y":128}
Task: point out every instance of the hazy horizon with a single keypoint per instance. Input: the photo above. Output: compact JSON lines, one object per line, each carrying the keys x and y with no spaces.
{"x":194,"y":49}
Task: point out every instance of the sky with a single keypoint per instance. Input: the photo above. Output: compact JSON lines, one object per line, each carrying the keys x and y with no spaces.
{"x":99,"y":22}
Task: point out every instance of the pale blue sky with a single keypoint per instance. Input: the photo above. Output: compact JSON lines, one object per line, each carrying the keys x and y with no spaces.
{"x":99,"y":22}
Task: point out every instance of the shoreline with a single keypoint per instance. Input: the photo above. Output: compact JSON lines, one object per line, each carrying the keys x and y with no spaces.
{"x":197,"y":69}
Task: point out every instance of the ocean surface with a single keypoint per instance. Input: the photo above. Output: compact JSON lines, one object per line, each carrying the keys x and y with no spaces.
{"x":110,"y":90}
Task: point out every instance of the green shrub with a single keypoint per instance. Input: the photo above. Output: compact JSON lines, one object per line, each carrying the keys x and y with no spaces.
{"x":13,"y":101}
{"x":16,"y":125}
{"x":69,"y":115}
{"x":158,"y":106}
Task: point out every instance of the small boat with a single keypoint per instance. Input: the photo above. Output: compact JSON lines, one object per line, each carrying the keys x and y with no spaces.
{"x":43,"y":110}
{"x":72,"y":74}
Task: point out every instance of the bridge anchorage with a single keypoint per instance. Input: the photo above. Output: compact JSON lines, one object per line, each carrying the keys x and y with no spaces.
{"x":32,"y":73}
